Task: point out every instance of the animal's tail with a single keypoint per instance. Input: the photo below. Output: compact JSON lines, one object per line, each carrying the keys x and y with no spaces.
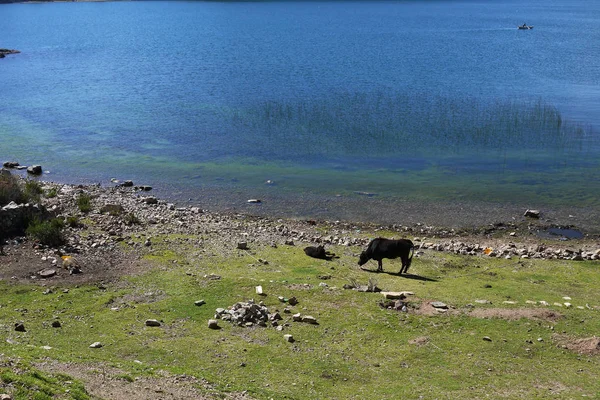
{"x":412,"y":249}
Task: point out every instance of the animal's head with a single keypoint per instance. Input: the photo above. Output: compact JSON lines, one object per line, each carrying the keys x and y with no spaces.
{"x":363,"y":258}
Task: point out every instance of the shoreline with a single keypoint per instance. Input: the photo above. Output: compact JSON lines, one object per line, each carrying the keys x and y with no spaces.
{"x":157,"y":216}
{"x":359,"y":209}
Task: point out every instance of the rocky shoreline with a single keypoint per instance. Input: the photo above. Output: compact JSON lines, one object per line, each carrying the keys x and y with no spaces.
{"x":5,"y":52}
{"x":128,"y":213}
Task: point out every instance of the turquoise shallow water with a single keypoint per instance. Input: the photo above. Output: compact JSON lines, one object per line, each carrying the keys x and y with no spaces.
{"x":420,"y":102}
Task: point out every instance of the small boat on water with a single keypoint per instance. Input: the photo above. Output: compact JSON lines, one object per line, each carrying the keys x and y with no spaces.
{"x":525,"y":26}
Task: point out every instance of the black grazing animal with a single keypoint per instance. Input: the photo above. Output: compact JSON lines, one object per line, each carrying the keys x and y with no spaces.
{"x":318,"y":252}
{"x":381,"y":248}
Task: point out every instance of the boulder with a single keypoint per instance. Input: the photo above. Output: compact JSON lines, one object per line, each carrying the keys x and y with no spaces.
{"x":35,"y":170}
{"x":10,"y":164}
{"x":532,"y":213}
{"x":5,"y":52}
{"x":289,"y":338}
{"x":396,"y":295}
{"x":150,"y":200}
{"x":439,"y":304}
{"x":14,"y":217}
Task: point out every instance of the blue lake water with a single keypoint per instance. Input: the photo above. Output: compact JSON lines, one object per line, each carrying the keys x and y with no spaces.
{"x":411,"y":101}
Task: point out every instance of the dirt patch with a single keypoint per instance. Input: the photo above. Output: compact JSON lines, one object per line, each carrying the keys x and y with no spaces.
{"x":22,"y":262}
{"x":425,"y":308}
{"x":110,"y":383}
{"x":589,"y":346}
{"x":515,"y":314}
{"x":419,"y":341}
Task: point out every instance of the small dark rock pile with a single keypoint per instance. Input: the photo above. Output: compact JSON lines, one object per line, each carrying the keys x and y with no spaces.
{"x":398,"y":305}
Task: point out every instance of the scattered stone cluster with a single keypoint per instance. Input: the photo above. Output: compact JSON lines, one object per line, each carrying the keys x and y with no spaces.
{"x":250,"y":314}
{"x":122,"y":212}
{"x":511,"y":250}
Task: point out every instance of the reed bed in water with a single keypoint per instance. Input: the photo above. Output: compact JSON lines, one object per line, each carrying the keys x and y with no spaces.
{"x":348,"y":124}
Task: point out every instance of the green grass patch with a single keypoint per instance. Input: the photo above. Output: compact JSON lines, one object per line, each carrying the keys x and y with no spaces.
{"x":358,"y":349}
{"x":47,"y":232}
{"x":84,"y":202}
{"x":26,"y":382}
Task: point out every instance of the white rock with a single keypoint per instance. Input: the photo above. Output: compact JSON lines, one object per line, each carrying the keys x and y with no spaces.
{"x":289,"y":338}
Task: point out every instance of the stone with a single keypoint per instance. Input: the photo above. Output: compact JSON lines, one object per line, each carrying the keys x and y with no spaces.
{"x":199,"y":303}
{"x":56,"y":324}
{"x":292,"y":301}
{"x":213,"y":324}
{"x":20,"y":327}
{"x":5,"y":396}
{"x":481,"y":301}
{"x":152,"y":322}
{"x":14,"y":217}
{"x":254,"y":201}
{"x":242,"y":246}
{"x":10,"y":164}
{"x":289,"y":338}
{"x":150,"y":200}
{"x":487,"y":338}
{"x":47,"y":273}
{"x":4,"y":52}
{"x":532,"y":213}
{"x":127,"y":183}
{"x":309,"y":319}
{"x":96,"y":345}
{"x":439,"y":304}
{"x":396,"y":295}
{"x":297,"y":317}
{"x":35,"y":170}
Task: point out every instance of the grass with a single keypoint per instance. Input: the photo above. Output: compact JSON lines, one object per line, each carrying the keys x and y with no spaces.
{"x":47,"y":232}
{"x":31,"y":383}
{"x":358,"y":350}
{"x":84,"y":202}
{"x":12,"y":190}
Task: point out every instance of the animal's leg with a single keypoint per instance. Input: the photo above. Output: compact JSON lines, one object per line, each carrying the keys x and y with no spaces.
{"x":379,"y":266}
{"x":404,"y":267}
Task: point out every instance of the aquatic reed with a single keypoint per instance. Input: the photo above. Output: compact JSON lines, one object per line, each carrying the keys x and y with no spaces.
{"x":402,"y":124}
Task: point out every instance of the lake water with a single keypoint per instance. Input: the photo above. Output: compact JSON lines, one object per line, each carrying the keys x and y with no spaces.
{"x":342,"y":106}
